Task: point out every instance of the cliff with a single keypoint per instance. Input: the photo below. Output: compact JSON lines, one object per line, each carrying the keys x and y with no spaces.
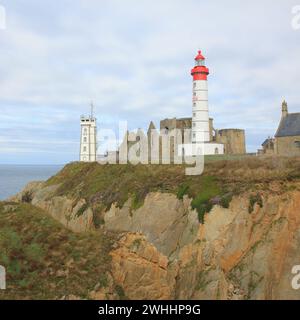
{"x":232,"y":233}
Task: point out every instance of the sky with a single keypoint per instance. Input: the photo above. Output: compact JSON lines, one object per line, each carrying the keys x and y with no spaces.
{"x":133,"y":58}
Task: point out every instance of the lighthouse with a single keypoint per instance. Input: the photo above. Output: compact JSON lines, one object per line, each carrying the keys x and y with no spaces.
{"x":88,"y":138}
{"x":200,"y":116}
{"x":201,"y":131}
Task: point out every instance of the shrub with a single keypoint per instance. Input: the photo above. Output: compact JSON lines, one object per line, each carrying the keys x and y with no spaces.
{"x":225,"y":201}
{"x":182,"y":191}
{"x":103,"y":281}
{"x":255,"y":199}
{"x":81,"y":211}
{"x":202,"y":208}
{"x":98,"y":219}
{"x":27,"y":197}
{"x":120,"y":292}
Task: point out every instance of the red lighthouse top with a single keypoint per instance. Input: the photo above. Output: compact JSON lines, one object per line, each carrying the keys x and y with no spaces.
{"x":199,"y":56}
{"x":199,"y":72}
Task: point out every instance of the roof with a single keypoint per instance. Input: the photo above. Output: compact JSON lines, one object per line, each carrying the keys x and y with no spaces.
{"x":269,"y":140}
{"x":289,"y":126}
{"x":151,"y":126}
{"x":199,"y":56}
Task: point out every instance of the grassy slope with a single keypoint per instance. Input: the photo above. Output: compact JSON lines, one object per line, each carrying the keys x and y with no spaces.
{"x":102,"y":185}
{"x":46,"y":261}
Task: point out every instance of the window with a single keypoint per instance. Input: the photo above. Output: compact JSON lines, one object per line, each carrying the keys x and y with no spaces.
{"x":194,"y":135}
{"x":85,"y":139}
{"x":85,"y":131}
{"x":194,"y":104}
{"x":194,"y":93}
{"x":194,"y":124}
{"x":194,"y":84}
{"x":200,"y":63}
{"x":84,"y":149}
{"x":297,"y":143}
{"x":194,"y":114}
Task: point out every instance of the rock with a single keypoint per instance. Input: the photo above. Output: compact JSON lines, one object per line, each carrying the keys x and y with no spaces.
{"x":141,"y":270}
{"x":106,"y":292}
{"x":164,"y":253}
{"x":66,"y":211}
{"x":31,"y":188}
{"x":167,"y":222}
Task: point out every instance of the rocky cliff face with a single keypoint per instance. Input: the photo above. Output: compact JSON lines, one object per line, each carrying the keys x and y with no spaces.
{"x":72,"y":213}
{"x":165,"y":253}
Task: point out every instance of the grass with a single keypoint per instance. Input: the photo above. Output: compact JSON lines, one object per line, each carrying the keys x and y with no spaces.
{"x":202,"y":201}
{"x":44,"y":260}
{"x":224,"y":176}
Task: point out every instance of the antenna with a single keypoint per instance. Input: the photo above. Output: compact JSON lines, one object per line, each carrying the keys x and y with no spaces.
{"x":92,"y":110}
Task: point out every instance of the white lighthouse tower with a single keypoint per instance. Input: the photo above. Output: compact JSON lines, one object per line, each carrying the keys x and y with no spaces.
{"x":200,"y":116}
{"x":88,"y":138}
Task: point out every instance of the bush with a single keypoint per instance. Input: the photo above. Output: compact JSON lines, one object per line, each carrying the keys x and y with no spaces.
{"x":225,"y":201}
{"x":255,"y":199}
{"x":98,"y":219}
{"x":120,"y":292}
{"x":202,"y":208}
{"x":27,"y":197}
{"x":182,"y":191}
{"x":81,"y":211}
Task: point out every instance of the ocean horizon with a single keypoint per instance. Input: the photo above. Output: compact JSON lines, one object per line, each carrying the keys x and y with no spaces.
{"x":13,"y":178}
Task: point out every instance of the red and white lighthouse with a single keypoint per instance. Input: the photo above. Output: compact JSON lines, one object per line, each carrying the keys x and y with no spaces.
{"x":200,"y":118}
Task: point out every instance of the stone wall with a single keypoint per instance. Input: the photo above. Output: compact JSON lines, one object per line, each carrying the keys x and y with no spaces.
{"x":174,"y":123}
{"x":287,"y":146}
{"x":233,"y":140}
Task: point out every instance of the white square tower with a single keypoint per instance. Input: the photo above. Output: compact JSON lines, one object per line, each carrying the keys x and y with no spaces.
{"x":88,"y":138}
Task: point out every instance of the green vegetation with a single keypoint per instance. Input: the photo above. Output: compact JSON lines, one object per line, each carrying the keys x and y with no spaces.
{"x":27,"y":197}
{"x":182,"y":191}
{"x":120,"y":292}
{"x":81,"y":211}
{"x":202,"y":280}
{"x":44,"y":260}
{"x":225,"y":201}
{"x":202,"y":202}
{"x":255,"y":199}
{"x":103,"y":280}
{"x":117,"y":183}
{"x":224,"y":177}
{"x":136,"y":244}
{"x":254,"y":281}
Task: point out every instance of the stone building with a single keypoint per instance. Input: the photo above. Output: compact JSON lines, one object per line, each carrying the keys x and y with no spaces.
{"x":267,"y":147}
{"x":287,"y":136}
{"x":233,"y":139}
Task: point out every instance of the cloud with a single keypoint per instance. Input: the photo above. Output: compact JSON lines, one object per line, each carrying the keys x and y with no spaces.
{"x":133,"y":60}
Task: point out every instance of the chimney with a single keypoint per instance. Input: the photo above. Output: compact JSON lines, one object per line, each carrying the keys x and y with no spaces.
{"x":284,"y":109}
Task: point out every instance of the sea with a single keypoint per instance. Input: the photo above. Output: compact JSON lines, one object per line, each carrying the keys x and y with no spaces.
{"x":13,"y":178}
